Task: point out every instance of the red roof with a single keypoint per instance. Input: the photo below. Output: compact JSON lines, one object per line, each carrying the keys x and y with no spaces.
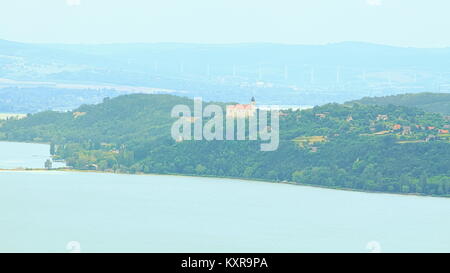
{"x":240,"y":107}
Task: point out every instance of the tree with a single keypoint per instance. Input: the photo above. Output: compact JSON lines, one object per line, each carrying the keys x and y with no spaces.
{"x":52,"y":149}
{"x":297,"y":176}
{"x":48,"y":164}
{"x":273,"y":175}
{"x":200,"y":169}
{"x":352,"y":156}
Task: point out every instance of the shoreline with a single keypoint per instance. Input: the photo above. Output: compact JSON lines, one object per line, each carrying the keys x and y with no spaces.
{"x":25,"y":142}
{"x":67,"y":170}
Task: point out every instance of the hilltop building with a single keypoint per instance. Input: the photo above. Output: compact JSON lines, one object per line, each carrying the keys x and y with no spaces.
{"x":242,"y":110}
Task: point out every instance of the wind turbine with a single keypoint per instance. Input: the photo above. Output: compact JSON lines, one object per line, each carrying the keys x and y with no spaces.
{"x":181,"y":68}
{"x":286,"y":73}
{"x":338,"y":74}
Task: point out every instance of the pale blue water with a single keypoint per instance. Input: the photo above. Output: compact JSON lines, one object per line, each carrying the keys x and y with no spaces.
{"x":43,"y":211}
{"x":24,"y":155}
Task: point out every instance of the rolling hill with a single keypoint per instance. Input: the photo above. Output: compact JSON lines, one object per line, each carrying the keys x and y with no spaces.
{"x":430,"y":102}
{"x":362,"y":147}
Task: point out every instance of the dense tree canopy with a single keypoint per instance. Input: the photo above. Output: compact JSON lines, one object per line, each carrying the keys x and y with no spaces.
{"x":431,"y":102}
{"x":374,"y":148}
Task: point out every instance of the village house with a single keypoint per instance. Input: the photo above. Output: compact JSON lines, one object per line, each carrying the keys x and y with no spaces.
{"x":78,"y":114}
{"x":442,"y":131}
{"x":382,"y":133}
{"x":321,"y":115}
{"x":430,"y":138}
{"x":92,"y":167}
{"x":406,"y":130}
{"x":396,"y":127}
{"x":242,"y":110}
{"x":382,"y":117}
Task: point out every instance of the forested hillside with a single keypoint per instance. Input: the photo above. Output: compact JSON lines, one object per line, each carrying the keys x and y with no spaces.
{"x":363,"y":147}
{"x":430,"y":102}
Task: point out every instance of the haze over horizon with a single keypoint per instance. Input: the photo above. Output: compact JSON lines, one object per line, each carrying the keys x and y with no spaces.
{"x":315,"y":51}
{"x":386,"y":22}
{"x":222,"y":44}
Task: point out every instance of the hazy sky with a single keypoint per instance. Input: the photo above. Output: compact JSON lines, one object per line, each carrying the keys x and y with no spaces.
{"x":418,"y":23}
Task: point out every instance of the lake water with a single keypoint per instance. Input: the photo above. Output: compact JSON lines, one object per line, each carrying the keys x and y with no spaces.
{"x":24,"y":155}
{"x":44,"y":211}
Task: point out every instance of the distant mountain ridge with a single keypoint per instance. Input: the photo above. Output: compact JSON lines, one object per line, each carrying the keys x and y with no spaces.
{"x":327,"y":54}
{"x":430,"y":102}
{"x":275,"y":73}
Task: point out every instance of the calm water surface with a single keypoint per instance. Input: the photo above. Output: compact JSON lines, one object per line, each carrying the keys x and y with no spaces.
{"x":24,"y":155}
{"x":44,"y":211}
